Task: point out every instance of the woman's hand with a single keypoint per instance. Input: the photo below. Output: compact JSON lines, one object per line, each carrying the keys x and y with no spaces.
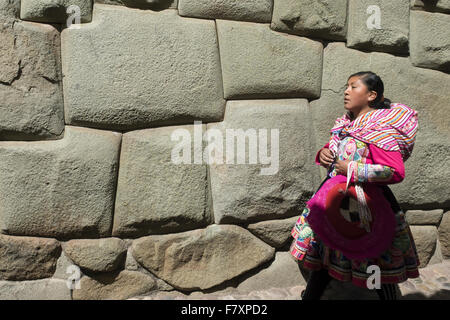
{"x":341,"y":166}
{"x":326,"y":157}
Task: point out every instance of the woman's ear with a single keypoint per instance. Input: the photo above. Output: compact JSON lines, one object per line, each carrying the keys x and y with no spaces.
{"x":372,"y":96}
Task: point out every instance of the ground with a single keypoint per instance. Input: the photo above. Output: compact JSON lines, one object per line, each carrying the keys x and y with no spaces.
{"x":433,"y":283}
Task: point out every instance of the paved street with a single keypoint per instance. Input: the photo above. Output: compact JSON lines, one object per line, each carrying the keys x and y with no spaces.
{"x":433,"y":283}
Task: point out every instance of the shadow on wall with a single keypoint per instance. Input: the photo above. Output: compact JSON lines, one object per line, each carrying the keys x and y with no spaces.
{"x":155,"y":5}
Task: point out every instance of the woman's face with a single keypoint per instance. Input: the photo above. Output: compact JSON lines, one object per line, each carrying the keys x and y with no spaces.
{"x":356,"y":95}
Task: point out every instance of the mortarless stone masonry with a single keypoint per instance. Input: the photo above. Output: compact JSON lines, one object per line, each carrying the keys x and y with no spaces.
{"x":88,"y":189}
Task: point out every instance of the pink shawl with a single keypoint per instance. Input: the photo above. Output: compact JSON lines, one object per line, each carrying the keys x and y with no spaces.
{"x":392,"y":129}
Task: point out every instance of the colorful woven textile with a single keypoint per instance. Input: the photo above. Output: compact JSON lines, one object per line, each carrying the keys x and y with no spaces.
{"x":392,"y":129}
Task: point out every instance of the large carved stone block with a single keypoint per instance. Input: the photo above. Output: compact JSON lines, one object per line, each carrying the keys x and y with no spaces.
{"x":378,"y":26}
{"x":203,"y":258}
{"x":430,"y":40}
{"x":63,"y":188}
{"x":154,"y":193}
{"x":150,"y":69}
{"x":31,"y":99}
{"x":258,"y":62}
{"x":317,"y":19}
{"x":254,"y":188}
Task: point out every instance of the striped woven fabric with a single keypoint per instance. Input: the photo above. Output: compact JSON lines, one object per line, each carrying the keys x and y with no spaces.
{"x":392,"y":129}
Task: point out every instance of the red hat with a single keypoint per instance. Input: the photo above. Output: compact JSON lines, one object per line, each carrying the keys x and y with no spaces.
{"x":355,"y":242}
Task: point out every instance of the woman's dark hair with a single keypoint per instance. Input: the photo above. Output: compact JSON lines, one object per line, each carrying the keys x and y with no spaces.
{"x":374,"y":82}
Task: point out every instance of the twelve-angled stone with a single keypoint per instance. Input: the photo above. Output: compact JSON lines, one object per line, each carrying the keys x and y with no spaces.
{"x":258,"y":188}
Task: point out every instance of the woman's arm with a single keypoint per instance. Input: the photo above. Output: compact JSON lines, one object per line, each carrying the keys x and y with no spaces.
{"x":387,"y":167}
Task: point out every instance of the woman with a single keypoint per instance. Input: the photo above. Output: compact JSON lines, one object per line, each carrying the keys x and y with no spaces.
{"x":379,"y":154}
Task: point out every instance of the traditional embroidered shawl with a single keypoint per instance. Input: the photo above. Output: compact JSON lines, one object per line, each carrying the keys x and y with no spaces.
{"x":391,"y":129}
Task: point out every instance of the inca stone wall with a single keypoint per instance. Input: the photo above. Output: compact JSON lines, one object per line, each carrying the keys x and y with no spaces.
{"x":91,"y":205}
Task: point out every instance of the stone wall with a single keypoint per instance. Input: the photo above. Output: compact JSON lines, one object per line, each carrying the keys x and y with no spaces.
{"x":88,"y":191}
